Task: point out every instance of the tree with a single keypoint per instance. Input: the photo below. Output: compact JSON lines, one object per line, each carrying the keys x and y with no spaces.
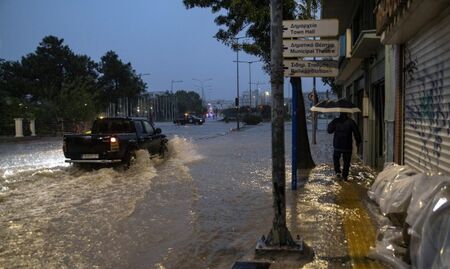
{"x":189,"y":102}
{"x":118,"y":79}
{"x":48,"y":72}
{"x":76,"y":101}
{"x":54,"y":83}
{"x":336,"y":89}
{"x":307,"y":10}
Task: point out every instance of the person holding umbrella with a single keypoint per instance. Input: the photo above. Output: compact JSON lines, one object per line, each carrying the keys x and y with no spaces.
{"x":343,"y":128}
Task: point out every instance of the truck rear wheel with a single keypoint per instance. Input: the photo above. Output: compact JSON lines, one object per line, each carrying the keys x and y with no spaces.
{"x":129,"y":159}
{"x":163,"y":149}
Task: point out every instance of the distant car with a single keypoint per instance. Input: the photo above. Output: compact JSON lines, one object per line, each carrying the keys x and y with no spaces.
{"x":189,"y":119}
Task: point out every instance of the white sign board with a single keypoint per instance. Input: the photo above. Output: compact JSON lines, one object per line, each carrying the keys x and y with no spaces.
{"x":297,"y":68}
{"x":310,"y":48}
{"x":310,"y":28}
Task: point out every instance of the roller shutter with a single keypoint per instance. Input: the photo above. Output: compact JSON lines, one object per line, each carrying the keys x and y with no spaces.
{"x":427,"y":99}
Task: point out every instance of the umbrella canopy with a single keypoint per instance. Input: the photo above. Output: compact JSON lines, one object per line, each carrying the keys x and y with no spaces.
{"x":340,"y":105}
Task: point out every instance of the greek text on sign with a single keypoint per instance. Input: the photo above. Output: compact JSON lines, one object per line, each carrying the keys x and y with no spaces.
{"x":310,"y":48}
{"x":310,"y":28}
{"x":296,"y":68}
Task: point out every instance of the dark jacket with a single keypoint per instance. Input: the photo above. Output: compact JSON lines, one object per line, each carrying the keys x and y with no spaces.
{"x":343,"y":127}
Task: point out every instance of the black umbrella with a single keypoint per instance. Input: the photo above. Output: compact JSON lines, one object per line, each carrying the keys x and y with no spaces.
{"x":341,"y":105}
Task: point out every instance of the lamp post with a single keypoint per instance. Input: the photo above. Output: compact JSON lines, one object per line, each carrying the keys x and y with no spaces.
{"x":202,"y":81}
{"x":237,"y":78}
{"x":249,"y":77}
{"x":172,"y":82}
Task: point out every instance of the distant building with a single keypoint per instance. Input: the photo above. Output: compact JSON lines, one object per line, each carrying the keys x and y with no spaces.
{"x":221,"y":104}
{"x":245,"y":98}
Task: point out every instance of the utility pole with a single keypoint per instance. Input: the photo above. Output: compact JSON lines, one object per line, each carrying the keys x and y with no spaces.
{"x":279,"y":235}
{"x":237,"y":103}
{"x":237,"y":83}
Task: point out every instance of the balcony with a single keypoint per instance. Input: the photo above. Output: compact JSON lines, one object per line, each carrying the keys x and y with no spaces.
{"x":366,"y":44}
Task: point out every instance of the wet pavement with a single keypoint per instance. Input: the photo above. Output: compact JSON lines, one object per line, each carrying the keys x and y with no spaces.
{"x":204,"y":206}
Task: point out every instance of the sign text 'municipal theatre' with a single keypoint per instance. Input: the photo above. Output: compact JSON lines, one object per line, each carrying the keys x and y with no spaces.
{"x":310,"y":48}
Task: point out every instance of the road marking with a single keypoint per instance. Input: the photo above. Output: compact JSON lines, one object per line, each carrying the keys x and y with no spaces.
{"x":359,"y":229}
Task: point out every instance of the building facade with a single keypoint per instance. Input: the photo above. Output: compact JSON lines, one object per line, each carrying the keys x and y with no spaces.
{"x":396,"y":68}
{"x":417,"y":34}
{"x":362,"y":73}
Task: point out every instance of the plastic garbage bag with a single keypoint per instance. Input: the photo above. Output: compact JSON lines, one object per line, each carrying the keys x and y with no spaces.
{"x":397,"y":193}
{"x":430,"y":246}
{"x":390,"y":173}
{"x":422,"y":194}
{"x":390,"y":247}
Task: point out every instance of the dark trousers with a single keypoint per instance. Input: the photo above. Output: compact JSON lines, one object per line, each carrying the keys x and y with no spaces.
{"x":346,"y":156}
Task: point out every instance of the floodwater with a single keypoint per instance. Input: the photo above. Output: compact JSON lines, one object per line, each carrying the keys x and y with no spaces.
{"x":204,"y":206}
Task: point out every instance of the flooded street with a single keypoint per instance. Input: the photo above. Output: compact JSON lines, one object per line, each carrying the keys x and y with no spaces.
{"x":204,"y":206}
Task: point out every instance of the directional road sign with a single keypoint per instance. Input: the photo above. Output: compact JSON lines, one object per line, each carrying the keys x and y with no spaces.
{"x":297,"y":68}
{"x":310,"y":48}
{"x":310,"y":28}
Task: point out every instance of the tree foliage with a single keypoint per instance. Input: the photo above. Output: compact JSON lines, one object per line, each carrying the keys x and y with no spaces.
{"x":189,"y":102}
{"x":118,"y":79}
{"x":54,"y":83}
{"x":249,"y":16}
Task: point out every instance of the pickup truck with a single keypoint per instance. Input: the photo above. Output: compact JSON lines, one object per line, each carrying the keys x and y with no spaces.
{"x":115,"y":140}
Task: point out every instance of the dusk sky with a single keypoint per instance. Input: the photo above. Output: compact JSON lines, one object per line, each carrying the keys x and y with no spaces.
{"x":159,"y":37}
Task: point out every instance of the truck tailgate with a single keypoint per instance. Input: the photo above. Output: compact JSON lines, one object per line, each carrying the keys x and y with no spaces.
{"x":85,"y":144}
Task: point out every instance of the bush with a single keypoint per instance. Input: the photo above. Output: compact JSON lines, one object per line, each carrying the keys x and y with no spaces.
{"x":252,"y":119}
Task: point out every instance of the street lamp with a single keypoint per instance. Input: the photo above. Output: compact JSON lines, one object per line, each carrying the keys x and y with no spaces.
{"x":266,"y":95}
{"x":172,"y":82}
{"x":202,"y":81}
{"x":250,"y":77}
{"x":237,"y":77}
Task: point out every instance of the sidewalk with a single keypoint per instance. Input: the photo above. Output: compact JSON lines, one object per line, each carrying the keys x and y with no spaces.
{"x":338,"y":221}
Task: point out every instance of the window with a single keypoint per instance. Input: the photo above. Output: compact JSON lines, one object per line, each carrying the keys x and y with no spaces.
{"x":139,"y":128}
{"x":148,"y":128}
{"x":108,"y":126}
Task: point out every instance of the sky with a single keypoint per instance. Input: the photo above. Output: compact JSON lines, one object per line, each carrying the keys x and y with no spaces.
{"x":167,"y":43}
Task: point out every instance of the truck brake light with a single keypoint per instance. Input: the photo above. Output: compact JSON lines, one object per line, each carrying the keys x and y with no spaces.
{"x":114,"y":144}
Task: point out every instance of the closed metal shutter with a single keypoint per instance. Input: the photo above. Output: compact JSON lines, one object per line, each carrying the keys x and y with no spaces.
{"x":427,"y":99}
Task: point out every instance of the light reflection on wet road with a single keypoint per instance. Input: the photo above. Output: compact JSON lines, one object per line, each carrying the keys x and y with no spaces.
{"x":203,"y":207}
